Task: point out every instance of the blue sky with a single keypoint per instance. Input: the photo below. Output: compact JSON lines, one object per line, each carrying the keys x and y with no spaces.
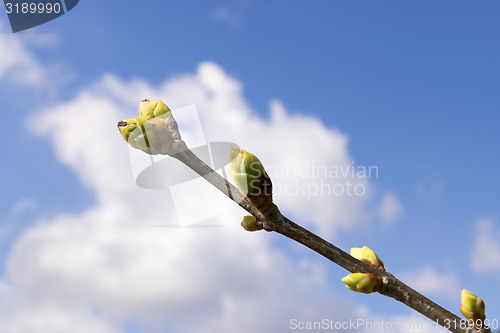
{"x":408,"y":86}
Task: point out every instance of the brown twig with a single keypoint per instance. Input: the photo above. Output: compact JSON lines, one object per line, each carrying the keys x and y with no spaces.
{"x":273,"y":220}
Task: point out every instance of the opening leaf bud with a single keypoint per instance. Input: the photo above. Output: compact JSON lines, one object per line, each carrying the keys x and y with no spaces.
{"x":366,"y":255}
{"x":251,"y":178}
{"x":365,"y":283}
{"x":472,"y":307}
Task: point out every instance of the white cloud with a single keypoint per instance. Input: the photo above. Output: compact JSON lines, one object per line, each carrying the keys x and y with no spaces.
{"x":33,"y":316}
{"x":17,"y":63}
{"x":486,"y":252}
{"x":20,"y":67}
{"x":390,"y":208}
{"x":109,"y":258}
{"x":287,"y":144}
{"x":432,"y":281}
{"x":217,"y":280}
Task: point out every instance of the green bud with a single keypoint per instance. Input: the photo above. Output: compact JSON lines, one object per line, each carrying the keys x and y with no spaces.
{"x":251,"y":178}
{"x":250,"y":223}
{"x":126,"y":127}
{"x":153,"y":132}
{"x":366,"y":255}
{"x":472,"y":307}
{"x":365,"y":283}
{"x":150,"y":108}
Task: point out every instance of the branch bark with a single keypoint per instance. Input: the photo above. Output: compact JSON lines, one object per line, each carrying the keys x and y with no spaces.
{"x":273,"y":220}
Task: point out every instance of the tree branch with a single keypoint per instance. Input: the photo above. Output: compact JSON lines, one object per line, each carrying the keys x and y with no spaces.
{"x":273,"y":220}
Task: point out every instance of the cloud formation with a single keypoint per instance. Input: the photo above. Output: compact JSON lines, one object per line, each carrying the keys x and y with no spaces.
{"x":16,"y":62}
{"x":109,"y":260}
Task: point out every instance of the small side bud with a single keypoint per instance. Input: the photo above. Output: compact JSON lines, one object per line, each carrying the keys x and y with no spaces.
{"x":365,"y":283}
{"x":250,"y":223}
{"x":366,"y":255}
{"x":472,"y":307}
{"x":251,"y":178}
